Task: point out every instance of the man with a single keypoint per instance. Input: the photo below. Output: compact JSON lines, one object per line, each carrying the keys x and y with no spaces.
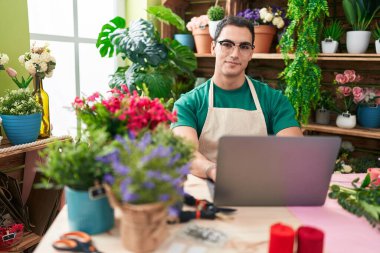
{"x":231,"y":103}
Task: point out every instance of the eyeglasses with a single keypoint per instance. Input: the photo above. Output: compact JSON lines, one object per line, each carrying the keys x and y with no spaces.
{"x":228,"y":46}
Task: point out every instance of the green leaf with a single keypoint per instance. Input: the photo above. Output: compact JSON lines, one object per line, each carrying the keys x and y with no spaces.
{"x":158,"y":83}
{"x":167,"y":16}
{"x":182,"y":56}
{"x":366,"y":181}
{"x":104,"y":43}
{"x":349,"y":9}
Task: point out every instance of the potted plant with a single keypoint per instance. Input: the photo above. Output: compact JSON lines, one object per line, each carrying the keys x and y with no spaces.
{"x":332,"y":35}
{"x":346,"y":80}
{"x":376,"y":35}
{"x":324,"y":105}
{"x":302,"y":74}
{"x":368,"y":107}
{"x":215,"y":15}
{"x":167,"y":16}
{"x":21,"y":116}
{"x":156,"y":63}
{"x":199,"y":26}
{"x":359,"y":14}
{"x":147,"y":177}
{"x":266,"y":20}
{"x":73,"y":165}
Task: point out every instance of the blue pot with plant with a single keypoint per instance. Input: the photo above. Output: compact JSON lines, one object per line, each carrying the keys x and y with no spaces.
{"x":73,"y":165}
{"x":21,"y":116}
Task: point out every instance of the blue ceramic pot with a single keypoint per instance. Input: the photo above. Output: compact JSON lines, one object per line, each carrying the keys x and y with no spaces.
{"x":369,"y":116}
{"x":88,"y":215}
{"x":21,"y":129}
{"x":185,"y":39}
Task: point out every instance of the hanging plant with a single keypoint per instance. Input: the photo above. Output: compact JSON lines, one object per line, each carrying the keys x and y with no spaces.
{"x":302,"y":74}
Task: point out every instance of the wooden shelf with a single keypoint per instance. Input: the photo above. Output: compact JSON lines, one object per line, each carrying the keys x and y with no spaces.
{"x":358,"y":132}
{"x":321,"y":57}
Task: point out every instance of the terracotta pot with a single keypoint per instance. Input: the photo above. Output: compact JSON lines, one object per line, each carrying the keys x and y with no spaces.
{"x":264,"y":35}
{"x":202,"y":40}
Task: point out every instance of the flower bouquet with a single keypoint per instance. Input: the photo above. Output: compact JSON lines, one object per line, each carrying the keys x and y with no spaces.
{"x":199,"y":26}
{"x":23,"y":83}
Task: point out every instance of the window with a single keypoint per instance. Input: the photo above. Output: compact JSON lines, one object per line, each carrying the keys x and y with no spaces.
{"x":71,"y":28}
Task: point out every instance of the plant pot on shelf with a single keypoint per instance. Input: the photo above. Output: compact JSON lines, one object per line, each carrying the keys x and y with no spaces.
{"x":185,"y":39}
{"x":212,"y":27}
{"x":202,"y":39}
{"x":90,"y":215}
{"x":329,"y":46}
{"x":369,"y":116}
{"x":322,"y":116}
{"x":21,"y":129}
{"x":377,"y":45}
{"x":264,"y":35}
{"x":143,"y":227}
{"x":357,"y":41}
{"x":346,"y":120}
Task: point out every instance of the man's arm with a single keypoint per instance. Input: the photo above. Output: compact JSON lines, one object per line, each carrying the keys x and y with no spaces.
{"x":290,"y":131}
{"x":200,"y":164}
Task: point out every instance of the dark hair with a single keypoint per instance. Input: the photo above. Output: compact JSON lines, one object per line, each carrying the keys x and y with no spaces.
{"x":236,"y":21}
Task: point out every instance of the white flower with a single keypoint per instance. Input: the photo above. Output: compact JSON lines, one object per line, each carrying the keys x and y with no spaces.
{"x":30,"y":67}
{"x":43,"y":67}
{"x":51,"y":59}
{"x":346,"y":145}
{"x":45,"y":57}
{"x":263,"y":12}
{"x":49,"y":74}
{"x":268,"y":17}
{"x":346,"y":168}
{"x":3,"y":59}
{"x":21,"y":59}
{"x":280,"y":24}
{"x":35,"y":58}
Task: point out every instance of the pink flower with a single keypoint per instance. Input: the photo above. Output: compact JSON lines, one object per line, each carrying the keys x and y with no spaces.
{"x":358,"y":94}
{"x":350,"y":74}
{"x":93,"y":97}
{"x":11,"y":72}
{"x":78,"y":103}
{"x":344,"y":90}
{"x":342,"y":79}
{"x":377,"y":93}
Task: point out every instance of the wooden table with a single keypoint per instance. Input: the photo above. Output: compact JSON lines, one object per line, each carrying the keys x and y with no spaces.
{"x":249,"y":230}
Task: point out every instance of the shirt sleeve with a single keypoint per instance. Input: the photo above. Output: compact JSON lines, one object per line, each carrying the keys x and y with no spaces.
{"x":186,"y":113}
{"x":283,"y":114}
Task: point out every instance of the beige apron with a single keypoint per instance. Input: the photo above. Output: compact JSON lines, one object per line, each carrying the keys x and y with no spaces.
{"x":229,"y":121}
{"x":226,"y":121}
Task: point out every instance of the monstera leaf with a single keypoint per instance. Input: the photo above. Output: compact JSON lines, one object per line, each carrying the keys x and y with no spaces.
{"x":139,"y":44}
{"x":118,"y":78}
{"x":167,"y":16}
{"x":103,"y":43}
{"x":181,"y":57}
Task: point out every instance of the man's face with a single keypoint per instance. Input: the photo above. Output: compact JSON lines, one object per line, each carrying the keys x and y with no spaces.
{"x":232,"y":61}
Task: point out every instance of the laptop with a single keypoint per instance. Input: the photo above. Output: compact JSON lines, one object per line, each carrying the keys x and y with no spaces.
{"x":274,"y":171}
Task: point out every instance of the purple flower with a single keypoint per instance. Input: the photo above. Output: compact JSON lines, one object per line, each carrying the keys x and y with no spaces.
{"x":164,"y":197}
{"x":131,"y":136}
{"x":110,"y":157}
{"x":129,"y":196}
{"x":177,"y":181}
{"x":109,"y":179}
{"x":119,"y":168}
{"x":174,"y":159}
{"x":160,"y":152}
{"x":166,"y":177}
{"x":124,"y":184}
{"x":184,"y":170}
{"x":145,"y":141}
{"x":172,"y":211}
{"x":121,"y":140}
{"x":153,"y":174}
{"x":149,"y":185}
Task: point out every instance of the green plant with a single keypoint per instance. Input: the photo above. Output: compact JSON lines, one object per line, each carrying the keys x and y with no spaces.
{"x":73,"y":164}
{"x":167,"y":16}
{"x":326,"y":100}
{"x":215,"y":13}
{"x":333,"y":31}
{"x":302,"y":74}
{"x":19,"y":102}
{"x":362,"y":201}
{"x":359,"y":13}
{"x":148,"y":169}
{"x":376,"y":32}
{"x":156,"y":63}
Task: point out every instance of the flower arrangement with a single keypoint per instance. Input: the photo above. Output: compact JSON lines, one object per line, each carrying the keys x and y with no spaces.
{"x":19,"y":102}
{"x":354,"y":95}
{"x":38,"y":61}
{"x":197,"y":22}
{"x":121,"y":111}
{"x":148,"y":169}
{"x":268,"y":15}
{"x":3,"y":60}
{"x":15,"y":229}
